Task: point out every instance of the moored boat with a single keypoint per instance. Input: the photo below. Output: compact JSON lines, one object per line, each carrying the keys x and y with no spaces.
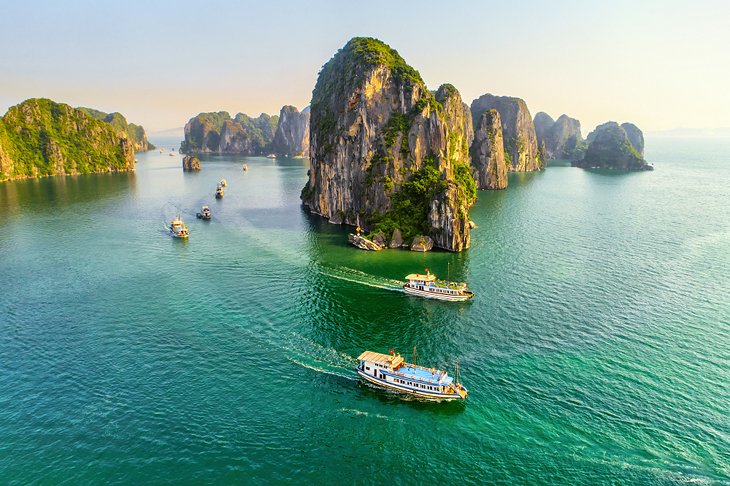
{"x":204,"y":213}
{"x":178,"y":228}
{"x":392,"y":372}
{"x":429,"y":287}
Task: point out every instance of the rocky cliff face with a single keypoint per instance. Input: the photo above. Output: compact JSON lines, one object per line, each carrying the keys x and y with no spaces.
{"x":40,"y":137}
{"x":219,"y":133}
{"x":611,"y":148}
{"x":386,"y":150}
{"x":292,"y":132}
{"x":135,"y":133}
{"x":520,"y":141}
{"x":487,"y":152}
{"x":561,"y":138}
{"x":191,"y":163}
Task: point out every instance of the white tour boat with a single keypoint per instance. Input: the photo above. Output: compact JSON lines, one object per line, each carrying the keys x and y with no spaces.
{"x":427,"y":286}
{"x":391,"y":371}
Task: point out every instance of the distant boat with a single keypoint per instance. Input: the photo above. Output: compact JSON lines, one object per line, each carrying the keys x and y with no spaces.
{"x":392,"y":372}
{"x":219,"y":193}
{"x":162,"y":151}
{"x":271,"y":156}
{"x":245,"y":167}
{"x":178,"y":228}
{"x":223,"y":183}
{"x":204,"y":213}
{"x":427,"y":286}
{"x":172,"y":154}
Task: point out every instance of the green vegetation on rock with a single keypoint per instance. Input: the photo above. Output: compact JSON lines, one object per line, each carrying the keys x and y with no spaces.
{"x":40,"y":137}
{"x":135,"y":133}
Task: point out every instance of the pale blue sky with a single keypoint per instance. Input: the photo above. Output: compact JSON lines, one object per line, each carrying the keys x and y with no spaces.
{"x":659,"y":64}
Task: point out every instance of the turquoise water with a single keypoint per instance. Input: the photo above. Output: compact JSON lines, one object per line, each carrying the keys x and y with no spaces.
{"x":597,"y":349}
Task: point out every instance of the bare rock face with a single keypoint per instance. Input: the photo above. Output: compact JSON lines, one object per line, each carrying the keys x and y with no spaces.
{"x":520,"y":141}
{"x":560,"y":139}
{"x":487,"y":152}
{"x":396,"y":241}
{"x":384,"y":147}
{"x":636,"y":137}
{"x":292,"y":132}
{"x":422,"y":243}
{"x":611,"y":148}
{"x":191,"y":163}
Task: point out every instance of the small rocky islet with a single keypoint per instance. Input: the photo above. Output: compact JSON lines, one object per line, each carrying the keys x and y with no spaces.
{"x":386,"y":152}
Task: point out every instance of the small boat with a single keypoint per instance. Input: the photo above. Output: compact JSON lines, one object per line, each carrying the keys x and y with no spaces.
{"x":223,"y":183}
{"x":162,"y":151}
{"x":245,"y":167}
{"x":219,"y":193}
{"x":178,"y":228}
{"x":204,"y":213}
{"x":171,"y":154}
{"x":271,"y":156}
{"x":427,"y":286}
{"x":392,"y":372}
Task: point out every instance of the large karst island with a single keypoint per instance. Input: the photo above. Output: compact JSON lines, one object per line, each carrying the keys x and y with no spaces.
{"x":40,"y":137}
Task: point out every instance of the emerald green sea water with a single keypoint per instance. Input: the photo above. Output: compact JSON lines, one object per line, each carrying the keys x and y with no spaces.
{"x":596,"y":350}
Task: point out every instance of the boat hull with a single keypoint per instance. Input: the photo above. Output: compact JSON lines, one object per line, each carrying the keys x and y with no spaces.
{"x":409,"y":391}
{"x":434,"y":295}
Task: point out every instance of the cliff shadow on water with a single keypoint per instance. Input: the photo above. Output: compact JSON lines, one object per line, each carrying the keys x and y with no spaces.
{"x":45,"y":193}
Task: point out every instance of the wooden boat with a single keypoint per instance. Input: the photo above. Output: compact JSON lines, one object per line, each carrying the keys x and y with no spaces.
{"x":204,"y":213}
{"x":392,"y":372}
{"x":178,"y":228}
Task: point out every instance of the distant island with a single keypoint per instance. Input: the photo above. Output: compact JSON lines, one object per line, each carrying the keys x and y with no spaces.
{"x":40,"y":137}
{"x":614,"y":146}
{"x":136,"y":133}
{"x":285,"y":134}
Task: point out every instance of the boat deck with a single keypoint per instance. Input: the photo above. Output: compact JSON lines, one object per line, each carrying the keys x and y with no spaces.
{"x":423,"y":374}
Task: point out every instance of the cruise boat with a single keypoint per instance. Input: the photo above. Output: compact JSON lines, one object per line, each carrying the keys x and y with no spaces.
{"x":204,"y":213}
{"x":392,"y":372}
{"x":178,"y":228}
{"x":219,"y":192}
{"x":429,"y":287}
{"x":223,"y":183}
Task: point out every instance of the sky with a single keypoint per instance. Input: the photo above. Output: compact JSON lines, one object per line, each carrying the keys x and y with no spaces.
{"x":662,"y":65}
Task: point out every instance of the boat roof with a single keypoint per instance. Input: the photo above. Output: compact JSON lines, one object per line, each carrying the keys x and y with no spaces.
{"x":381,"y":359}
{"x":417,"y":276}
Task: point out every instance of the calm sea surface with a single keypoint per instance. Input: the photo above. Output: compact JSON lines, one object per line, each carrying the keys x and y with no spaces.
{"x":596,"y":351}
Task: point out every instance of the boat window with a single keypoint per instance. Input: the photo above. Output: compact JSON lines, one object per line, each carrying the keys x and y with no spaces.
{"x":367,"y":368}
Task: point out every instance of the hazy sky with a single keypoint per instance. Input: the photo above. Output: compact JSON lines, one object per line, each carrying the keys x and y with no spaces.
{"x":661,"y":64}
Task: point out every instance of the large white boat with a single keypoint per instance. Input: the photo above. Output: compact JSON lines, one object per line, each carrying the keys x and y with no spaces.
{"x":178,"y":228}
{"x":427,"y":286}
{"x":391,"y":371}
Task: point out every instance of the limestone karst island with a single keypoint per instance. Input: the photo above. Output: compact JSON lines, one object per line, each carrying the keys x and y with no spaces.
{"x":332,"y":243}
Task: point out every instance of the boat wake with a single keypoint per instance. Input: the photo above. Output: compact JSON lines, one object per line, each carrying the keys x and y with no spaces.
{"x":362,"y":278}
{"x":322,"y":359}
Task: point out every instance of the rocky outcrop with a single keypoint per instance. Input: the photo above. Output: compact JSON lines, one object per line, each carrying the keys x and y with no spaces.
{"x":396,"y":240}
{"x":292,"y":132}
{"x":611,"y":148}
{"x":191,"y":163}
{"x":135,"y":133}
{"x":487,"y":152}
{"x":422,"y":243}
{"x":383,"y":147}
{"x":560,"y":139}
{"x":520,"y":142}
{"x":636,"y":137}
{"x":41,"y":138}
{"x":363,"y":243}
{"x":219,"y":133}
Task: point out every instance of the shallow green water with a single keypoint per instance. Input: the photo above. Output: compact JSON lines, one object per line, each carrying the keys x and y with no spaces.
{"x":596,"y":351}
